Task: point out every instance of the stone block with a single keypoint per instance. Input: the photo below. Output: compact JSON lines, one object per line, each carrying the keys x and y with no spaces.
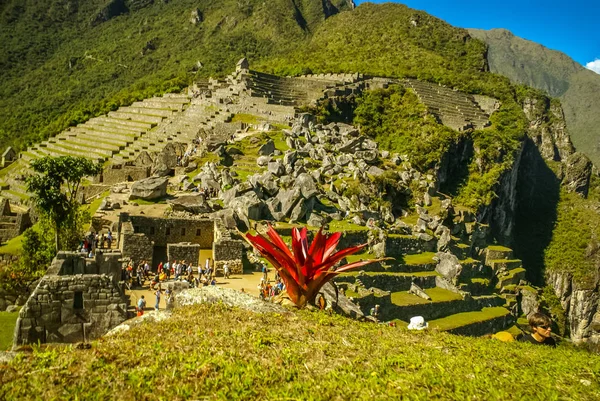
{"x":71,"y":332}
{"x":99,"y":309}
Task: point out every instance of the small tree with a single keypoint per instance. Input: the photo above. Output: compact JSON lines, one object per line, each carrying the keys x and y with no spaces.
{"x":55,"y":188}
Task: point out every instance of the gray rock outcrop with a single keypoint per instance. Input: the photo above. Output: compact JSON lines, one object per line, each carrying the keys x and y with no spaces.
{"x":149,"y":188}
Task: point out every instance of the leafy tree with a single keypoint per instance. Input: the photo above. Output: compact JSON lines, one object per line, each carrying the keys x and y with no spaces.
{"x":55,"y":190}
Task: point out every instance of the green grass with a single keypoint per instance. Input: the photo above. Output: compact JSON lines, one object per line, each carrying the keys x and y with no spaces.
{"x":344,"y":226}
{"x":213,"y":352}
{"x":20,"y":195}
{"x":499,"y":248}
{"x":462,"y":319}
{"x":92,"y":208}
{"x":246,"y":118}
{"x":402,"y":298}
{"x":424,"y":258}
{"x":7,"y":327}
{"x":13,"y":246}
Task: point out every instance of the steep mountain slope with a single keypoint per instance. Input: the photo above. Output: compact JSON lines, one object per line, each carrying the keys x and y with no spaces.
{"x":554,"y":72}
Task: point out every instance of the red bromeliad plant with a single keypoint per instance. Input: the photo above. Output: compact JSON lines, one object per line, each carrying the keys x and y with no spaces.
{"x":305,"y":270}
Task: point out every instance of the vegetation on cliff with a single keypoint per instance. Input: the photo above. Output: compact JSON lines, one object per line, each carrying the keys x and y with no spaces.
{"x":214,"y":352}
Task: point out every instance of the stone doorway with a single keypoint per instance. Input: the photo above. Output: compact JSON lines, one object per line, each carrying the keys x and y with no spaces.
{"x":159,"y":254}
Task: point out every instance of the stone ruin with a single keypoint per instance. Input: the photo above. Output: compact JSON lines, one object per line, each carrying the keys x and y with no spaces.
{"x":12,"y":223}
{"x":158,"y":239}
{"x":78,"y":299}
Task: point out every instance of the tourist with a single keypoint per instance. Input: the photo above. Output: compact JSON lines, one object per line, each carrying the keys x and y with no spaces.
{"x":375,"y":312}
{"x":146,"y":269}
{"x":226,"y":270}
{"x":109,"y":239}
{"x":167,"y":269}
{"x":157,"y":293}
{"x":140,"y":306}
{"x":541,"y":330}
{"x":264,"y":271}
{"x":169,"y":299}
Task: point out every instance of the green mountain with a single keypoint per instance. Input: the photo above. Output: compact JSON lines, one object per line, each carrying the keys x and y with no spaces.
{"x":556,"y":73}
{"x":66,"y":60}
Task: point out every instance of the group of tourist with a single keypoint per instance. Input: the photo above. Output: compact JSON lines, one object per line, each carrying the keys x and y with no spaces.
{"x":94,"y":241}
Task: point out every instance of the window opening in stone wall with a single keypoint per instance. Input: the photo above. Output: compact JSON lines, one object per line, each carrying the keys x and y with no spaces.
{"x":136,"y":229}
{"x":78,"y":300}
{"x":183,"y":231}
{"x":198,"y":232}
{"x":151,"y":230}
{"x":168,"y":230}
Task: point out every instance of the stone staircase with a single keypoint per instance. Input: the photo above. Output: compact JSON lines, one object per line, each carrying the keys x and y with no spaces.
{"x":454,"y":109}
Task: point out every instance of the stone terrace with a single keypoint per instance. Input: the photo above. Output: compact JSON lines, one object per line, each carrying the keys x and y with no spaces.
{"x":454,"y":109}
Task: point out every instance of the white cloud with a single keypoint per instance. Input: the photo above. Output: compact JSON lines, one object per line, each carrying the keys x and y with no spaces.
{"x":594,"y":66}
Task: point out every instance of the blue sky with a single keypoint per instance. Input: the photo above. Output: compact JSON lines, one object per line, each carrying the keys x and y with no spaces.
{"x":571,"y":27}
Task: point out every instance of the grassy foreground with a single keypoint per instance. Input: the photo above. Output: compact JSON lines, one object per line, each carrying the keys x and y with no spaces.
{"x":7,"y":328}
{"x":213,"y":352}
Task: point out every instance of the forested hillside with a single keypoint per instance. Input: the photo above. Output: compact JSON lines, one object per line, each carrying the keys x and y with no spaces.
{"x":63,"y":61}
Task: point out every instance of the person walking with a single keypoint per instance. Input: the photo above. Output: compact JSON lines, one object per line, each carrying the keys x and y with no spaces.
{"x":157,"y":293}
{"x":226,"y":270}
{"x":140,"y":306}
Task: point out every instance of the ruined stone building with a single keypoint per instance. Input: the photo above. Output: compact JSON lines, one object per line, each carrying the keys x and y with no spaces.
{"x":12,"y":223}
{"x":78,"y":299}
{"x":158,"y":239}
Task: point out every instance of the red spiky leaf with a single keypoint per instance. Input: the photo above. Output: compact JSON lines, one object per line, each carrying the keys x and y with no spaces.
{"x":305,"y":269}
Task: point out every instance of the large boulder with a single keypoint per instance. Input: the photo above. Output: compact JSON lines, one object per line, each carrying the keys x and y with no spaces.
{"x":267,"y":149}
{"x":288,"y":199}
{"x":307,"y":186}
{"x":195,"y":204}
{"x":449,"y":267}
{"x":149,"y":188}
{"x":166,"y":160}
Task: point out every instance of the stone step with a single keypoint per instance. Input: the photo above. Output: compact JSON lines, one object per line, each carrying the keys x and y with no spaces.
{"x":14,"y":197}
{"x":57,"y":150}
{"x":392,"y":282}
{"x":174,"y":104}
{"x":105,"y":137}
{"x":119,"y":115}
{"x":165,"y":113}
{"x":117,"y":122}
{"x":73,"y":145}
{"x":403,"y":306}
{"x":89,"y":142}
{"x":496,"y":252}
{"x":512,"y":277}
{"x":475,"y":323}
{"x":113,"y":130}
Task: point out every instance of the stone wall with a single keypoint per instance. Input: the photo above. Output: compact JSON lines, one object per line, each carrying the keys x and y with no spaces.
{"x":398,"y":245}
{"x":68,"y":306}
{"x":163,"y":231}
{"x":138,"y":247}
{"x":184,"y":251}
{"x":227,"y":250}
{"x":116,"y":173}
{"x":11,"y":297}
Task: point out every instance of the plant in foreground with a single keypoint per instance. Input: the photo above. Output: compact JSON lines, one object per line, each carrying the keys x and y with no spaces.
{"x":304,"y":269}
